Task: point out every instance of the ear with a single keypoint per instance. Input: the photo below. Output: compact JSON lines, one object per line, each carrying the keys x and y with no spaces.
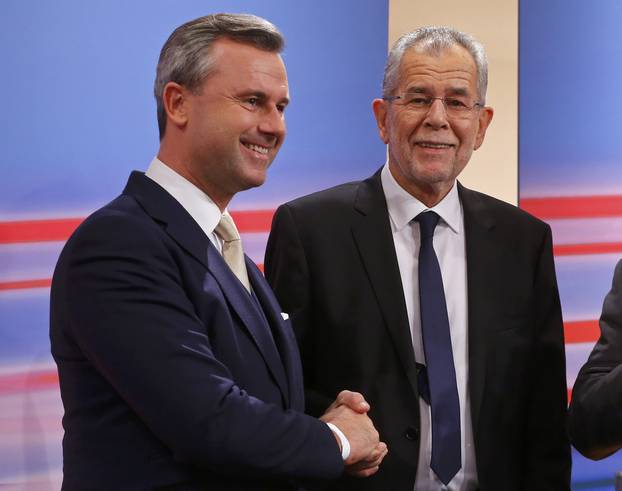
{"x":174,"y":98}
{"x":485,"y":117}
{"x":380,"y":108}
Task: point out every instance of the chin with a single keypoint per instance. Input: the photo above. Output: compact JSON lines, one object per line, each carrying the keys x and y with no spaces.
{"x":433,"y":177}
{"x":254,"y":181}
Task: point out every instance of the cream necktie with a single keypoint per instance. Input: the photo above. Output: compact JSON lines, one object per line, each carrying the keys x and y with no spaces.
{"x":232,"y":248}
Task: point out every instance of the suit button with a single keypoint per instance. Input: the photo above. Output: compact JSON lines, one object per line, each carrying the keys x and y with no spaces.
{"x":412,"y":433}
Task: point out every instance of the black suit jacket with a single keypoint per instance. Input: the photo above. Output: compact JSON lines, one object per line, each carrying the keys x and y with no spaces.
{"x":332,"y":263}
{"x":169,"y":373}
{"x":596,"y":407}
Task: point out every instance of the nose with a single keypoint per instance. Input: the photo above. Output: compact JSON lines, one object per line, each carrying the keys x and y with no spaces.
{"x":436,"y":116}
{"x":272,"y":122}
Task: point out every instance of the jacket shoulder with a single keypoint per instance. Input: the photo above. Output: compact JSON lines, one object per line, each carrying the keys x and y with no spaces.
{"x":122,"y":221}
{"x":336,"y":196}
{"x":500,"y":211}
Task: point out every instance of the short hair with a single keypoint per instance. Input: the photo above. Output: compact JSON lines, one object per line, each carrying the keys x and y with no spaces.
{"x":185,"y":57}
{"x":433,"y":40}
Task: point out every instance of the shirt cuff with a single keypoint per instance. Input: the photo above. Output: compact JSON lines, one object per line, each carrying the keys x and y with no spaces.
{"x":345,"y":444}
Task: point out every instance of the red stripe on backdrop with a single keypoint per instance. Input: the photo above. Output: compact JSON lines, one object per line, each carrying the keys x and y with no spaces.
{"x":26,"y":381}
{"x":581,"y":331}
{"x":587,"y":249}
{"x":37,"y":230}
{"x":574,"y":206}
{"x":25,"y":284}
{"x":250,"y":221}
{"x":247,"y":221}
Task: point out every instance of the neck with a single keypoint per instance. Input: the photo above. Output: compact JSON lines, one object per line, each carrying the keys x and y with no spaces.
{"x":430,"y":194}
{"x":178,"y":163}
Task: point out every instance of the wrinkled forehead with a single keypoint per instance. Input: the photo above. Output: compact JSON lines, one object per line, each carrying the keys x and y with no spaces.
{"x":450,"y":67}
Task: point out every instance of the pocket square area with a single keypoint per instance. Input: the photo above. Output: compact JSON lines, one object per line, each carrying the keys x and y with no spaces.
{"x":285,"y":315}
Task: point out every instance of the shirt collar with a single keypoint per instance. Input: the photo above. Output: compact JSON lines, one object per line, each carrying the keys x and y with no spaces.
{"x":198,"y":204}
{"x":403,"y":206}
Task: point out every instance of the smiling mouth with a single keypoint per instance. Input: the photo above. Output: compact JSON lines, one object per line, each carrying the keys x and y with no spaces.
{"x":257,"y":148}
{"x":434,"y":145}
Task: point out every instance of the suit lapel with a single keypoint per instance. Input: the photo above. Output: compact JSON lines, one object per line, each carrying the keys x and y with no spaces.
{"x":480,"y":253}
{"x":162,"y":207}
{"x":245,"y":307}
{"x":371,"y":230}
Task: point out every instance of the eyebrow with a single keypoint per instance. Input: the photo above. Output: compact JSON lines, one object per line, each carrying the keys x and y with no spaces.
{"x":459,"y":91}
{"x":416,"y":90}
{"x":424,"y":90}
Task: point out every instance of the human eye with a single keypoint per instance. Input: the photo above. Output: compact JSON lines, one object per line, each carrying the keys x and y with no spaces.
{"x":457,"y":104}
{"x":251,"y":102}
{"x":415,"y":100}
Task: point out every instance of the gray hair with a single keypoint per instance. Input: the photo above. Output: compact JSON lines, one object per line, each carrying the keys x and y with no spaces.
{"x":185,"y":57}
{"x":433,"y":40}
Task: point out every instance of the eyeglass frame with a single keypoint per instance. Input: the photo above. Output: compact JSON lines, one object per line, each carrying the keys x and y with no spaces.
{"x":464,"y":109}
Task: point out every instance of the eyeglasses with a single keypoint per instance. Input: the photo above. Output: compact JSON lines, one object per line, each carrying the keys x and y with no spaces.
{"x":454,"y":106}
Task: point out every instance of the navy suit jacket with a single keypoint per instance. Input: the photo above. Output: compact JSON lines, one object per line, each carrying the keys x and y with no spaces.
{"x":171,"y":375}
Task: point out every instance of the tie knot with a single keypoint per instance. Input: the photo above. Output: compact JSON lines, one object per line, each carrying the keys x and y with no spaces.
{"x":427,"y":223}
{"x":226,"y":229}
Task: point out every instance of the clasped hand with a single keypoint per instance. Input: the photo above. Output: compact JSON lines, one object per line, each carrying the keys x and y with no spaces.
{"x":349,"y":413}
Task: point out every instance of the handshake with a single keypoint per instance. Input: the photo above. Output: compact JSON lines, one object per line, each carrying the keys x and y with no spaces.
{"x":349,"y":414}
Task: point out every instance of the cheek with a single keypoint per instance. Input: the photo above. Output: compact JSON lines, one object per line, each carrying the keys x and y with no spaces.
{"x":469,"y":132}
{"x":230,"y":123}
{"x":400,"y":135}
{"x":467,"y":137}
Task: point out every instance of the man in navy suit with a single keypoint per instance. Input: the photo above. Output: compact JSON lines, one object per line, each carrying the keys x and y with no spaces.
{"x":177,"y":368}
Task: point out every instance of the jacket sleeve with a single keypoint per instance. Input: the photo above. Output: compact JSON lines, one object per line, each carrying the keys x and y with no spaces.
{"x":596,"y":407}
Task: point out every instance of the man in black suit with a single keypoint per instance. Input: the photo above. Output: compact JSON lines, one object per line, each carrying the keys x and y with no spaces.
{"x":596,"y":407}
{"x":438,"y":303}
{"x":177,"y":369}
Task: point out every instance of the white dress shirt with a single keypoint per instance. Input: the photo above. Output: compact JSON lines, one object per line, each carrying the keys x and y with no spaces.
{"x":198,"y":204}
{"x":449,"y":246}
